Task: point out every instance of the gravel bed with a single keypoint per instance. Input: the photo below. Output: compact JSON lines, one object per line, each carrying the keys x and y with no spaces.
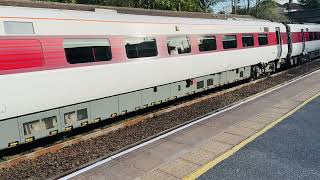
{"x":53,"y":164}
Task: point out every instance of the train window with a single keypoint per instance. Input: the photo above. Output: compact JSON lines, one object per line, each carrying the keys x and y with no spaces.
{"x":50,"y":122}
{"x":102,"y":53}
{"x":70,"y":117}
{"x":139,"y":47}
{"x":247,"y":40}
{"x":263,"y":39}
{"x":207,"y":43}
{"x":79,"y":55}
{"x":87,"y":50}
{"x":178,"y":45}
{"x":82,"y":114}
{"x":229,"y":41}
{"x":316,"y":36}
{"x":311,"y":36}
{"x":14,"y":27}
{"x":32,"y":127}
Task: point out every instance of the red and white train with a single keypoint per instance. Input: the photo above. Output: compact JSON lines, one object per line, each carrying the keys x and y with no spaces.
{"x":62,"y":69}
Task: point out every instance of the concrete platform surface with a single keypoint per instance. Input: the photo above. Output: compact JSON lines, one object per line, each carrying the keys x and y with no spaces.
{"x":182,"y":153}
{"x":290,"y":150}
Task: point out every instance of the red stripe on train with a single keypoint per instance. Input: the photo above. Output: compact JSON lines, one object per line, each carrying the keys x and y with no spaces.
{"x":17,"y":54}
{"x":41,"y":53}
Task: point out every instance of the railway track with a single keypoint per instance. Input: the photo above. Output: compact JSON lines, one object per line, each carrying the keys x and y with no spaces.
{"x":69,"y":156}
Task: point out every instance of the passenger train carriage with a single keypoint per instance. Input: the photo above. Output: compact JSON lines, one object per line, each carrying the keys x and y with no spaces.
{"x":62,"y":69}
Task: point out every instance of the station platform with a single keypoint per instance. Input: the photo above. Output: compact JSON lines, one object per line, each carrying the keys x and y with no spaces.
{"x":193,"y":151}
{"x":290,"y":150}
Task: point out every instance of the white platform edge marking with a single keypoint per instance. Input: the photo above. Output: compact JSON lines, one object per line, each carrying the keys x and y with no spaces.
{"x":178,"y":129}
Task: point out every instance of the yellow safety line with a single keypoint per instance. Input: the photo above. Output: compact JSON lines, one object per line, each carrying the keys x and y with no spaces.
{"x":236,"y":148}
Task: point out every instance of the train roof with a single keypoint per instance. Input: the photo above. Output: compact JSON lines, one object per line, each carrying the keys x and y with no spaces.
{"x":309,"y":26}
{"x":106,"y":15}
{"x":120,"y":10}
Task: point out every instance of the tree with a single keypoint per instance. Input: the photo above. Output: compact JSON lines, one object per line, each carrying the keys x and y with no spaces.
{"x":268,"y":9}
{"x":206,"y":4}
{"x":175,"y":5}
{"x":265,"y":9}
{"x":310,"y":4}
{"x":248,"y":6}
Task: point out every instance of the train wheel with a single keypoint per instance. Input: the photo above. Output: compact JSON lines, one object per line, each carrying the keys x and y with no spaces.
{"x":256,"y":72}
{"x":272,"y":67}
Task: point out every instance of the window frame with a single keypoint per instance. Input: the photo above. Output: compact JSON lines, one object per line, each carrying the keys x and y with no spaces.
{"x":207,"y":35}
{"x":146,"y":57}
{"x":246,"y":35}
{"x":267,"y":37}
{"x":70,"y":43}
{"x":236,"y":39}
{"x":179,"y":36}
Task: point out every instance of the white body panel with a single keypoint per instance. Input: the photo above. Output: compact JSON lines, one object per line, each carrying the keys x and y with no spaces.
{"x":312,"y":45}
{"x":37,"y":91}
{"x":296,"y":49}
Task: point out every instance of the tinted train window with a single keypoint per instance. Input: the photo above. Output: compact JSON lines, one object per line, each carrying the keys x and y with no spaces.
{"x":229,"y":41}
{"x":311,"y":37}
{"x":207,"y":43}
{"x":247,"y":40}
{"x":87,"y":50}
{"x":141,"y":47}
{"x":263,"y":39}
{"x":102,"y":53}
{"x":316,"y":36}
{"x":178,"y":45}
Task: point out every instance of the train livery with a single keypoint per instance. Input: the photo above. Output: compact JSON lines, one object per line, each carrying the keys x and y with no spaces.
{"x":63,"y":69}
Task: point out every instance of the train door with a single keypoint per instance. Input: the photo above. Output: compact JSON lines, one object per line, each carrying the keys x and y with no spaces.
{"x":303,"y":41}
{"x":279,"y":42}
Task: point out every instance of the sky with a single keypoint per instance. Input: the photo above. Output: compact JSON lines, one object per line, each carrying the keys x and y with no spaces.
{"x":226,"y":5}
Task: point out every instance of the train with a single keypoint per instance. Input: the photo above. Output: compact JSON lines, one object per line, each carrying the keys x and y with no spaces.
{"x":65,"y":69}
